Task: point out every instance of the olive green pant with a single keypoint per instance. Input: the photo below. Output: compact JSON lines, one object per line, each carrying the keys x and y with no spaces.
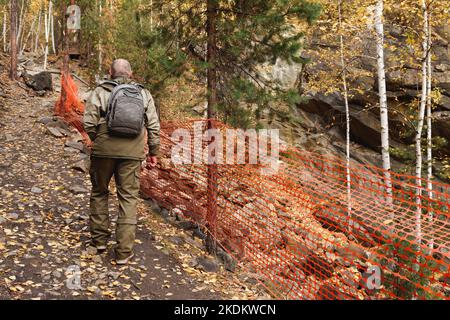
{"x":126,"y":174}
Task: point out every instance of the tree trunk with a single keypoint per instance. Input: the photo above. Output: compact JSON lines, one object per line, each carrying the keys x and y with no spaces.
{"x":65,"y":41}
{"x":21,"y":19}
{"x":421,"y":116}
{"x":347,"y":114}
{"x":429,"y":127}
{"x":212,"y":7}
{"x":4,"y":31}
{"x":379,"y":28}
{"x":151,"y":15}
{"x":100,"y":49}
{"x":13,"y":46}
{"x":47,"y":25}
{"x":36,"y":43}
{"x":52,"y":32}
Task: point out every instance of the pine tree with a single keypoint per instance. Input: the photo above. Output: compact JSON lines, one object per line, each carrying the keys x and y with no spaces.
{"x":246,"y":34}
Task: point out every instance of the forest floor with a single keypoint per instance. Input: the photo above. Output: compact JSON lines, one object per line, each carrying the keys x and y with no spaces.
{"x":44,"y":224}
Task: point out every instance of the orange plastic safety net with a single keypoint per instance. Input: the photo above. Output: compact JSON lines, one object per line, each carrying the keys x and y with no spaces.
{"x":301,"y":229}
{"x":69,"y":105}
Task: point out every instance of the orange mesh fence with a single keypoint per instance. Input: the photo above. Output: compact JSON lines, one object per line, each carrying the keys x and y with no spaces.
{"x":69,"y":105}
{"x":301,"y":230}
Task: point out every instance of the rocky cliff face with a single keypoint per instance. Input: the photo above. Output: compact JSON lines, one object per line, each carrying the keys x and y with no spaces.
{"x":319,"y":124}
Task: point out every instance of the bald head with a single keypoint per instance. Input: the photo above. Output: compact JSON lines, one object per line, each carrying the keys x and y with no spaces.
{"x":121,"y":68}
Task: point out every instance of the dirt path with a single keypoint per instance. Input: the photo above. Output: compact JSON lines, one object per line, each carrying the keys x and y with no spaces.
{"x":44,"y":226}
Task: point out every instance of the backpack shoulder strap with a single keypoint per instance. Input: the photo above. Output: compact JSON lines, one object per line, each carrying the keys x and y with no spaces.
{"x":108,"y":85}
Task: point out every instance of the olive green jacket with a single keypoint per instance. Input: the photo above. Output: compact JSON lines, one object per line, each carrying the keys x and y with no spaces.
{"x":107,"y":146}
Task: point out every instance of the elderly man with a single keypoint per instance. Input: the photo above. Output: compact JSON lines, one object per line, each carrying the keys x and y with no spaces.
{"x":117,"y":112}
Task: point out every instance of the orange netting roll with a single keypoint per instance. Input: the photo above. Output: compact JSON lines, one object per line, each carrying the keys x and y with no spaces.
{"x":69,"y":105}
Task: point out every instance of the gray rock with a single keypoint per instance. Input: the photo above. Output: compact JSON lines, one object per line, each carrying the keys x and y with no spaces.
{"x":41,"y":81}
{"x":80,"y":166}
{"x":155,"y":206}
{"x":76,"y":189}
{"x":63,"y":209}
{"x":45,"y":120}
{"x":9,"y":137}
{"x":200,"y":108}
{"x":2,"y":220}
{"x":75,"y":145}
{"x":114,"y":275}
{"x":176,"y":240}
{"x":198,"y":233}
{"x":54,"y":293}
{"x":55,"y":132}
{"x":283,"y":74}
{"x":56,"y":274}
{"x":317,"y":266}
{"x":228,"y":261}
{"x":58,"y":123}
{"x":48,"y":104}
{"x":13,"y":216}
{"x":71,"y":150}
{"x":207,"y":264}
{"x":37,"y":165}
{"x":97,"y":259}
{"x":186,"y":225}
{"x":83,"y":217}
{"x":36,"y":190}
{"x":165,"y":212}
{"x":441,"y":125}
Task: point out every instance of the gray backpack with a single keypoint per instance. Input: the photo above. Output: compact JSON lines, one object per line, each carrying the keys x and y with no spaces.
{"x":125,"y":112}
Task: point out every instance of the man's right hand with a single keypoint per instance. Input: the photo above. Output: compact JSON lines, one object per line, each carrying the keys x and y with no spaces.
{"x":152,"y":161}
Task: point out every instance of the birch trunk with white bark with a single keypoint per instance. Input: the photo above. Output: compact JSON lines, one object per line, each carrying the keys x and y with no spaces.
{"x":24,"y":43}
{"x":52,"y":32}
{"x":38,"y":31}
{"x":47,"y":20}
{"x":4,"y":31}
{"x":347,"y":113}
{"x":13,"y":40}
{"x":420,"y":122}
{"x":429,"y":126}
{"x":384,"y":118}
{"x":100,"y":49}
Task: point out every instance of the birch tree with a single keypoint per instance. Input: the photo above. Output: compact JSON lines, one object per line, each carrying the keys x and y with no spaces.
{"x":47,"y":26}
{"x":100,"y":49}
{"x":4,"y":30}
{"x":52,"y":30}
{"x":20,"y":22}
{"x":347,"y":111}
{"x":38,"y":31}
{"x":429,"y":124}
{"x":13,"y":39}
{"x":384,"y":118}
{"x":420,"y":122}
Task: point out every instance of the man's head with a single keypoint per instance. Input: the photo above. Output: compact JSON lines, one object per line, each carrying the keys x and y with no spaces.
{"x":120,"y":68}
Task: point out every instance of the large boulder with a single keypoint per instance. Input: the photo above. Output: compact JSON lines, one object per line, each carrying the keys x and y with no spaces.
{"x":41,"y":81}
{"x":282,"y":73}
{"x":441,"y":124}
{"x":365,"y":125}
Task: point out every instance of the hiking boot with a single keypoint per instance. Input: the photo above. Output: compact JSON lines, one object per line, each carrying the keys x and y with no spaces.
{"x":125,"y":260}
